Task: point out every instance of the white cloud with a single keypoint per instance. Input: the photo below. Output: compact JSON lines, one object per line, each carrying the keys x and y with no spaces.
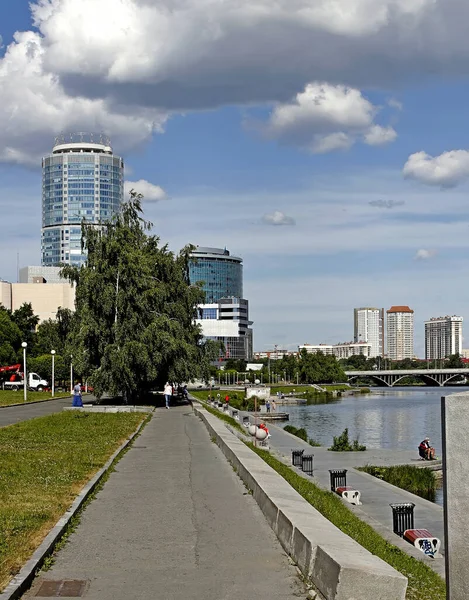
{"x":327,"y":117}
{"x":377,"y":135}
{"x":151,"y":192}
{"x":386,"y":203}
{"x":423,"y":254}
{"x":446,"y":170}
{"x":180,"y":54}
{"x":278,"y":218}
{"x":35,"y":107}
{"x":396,"y":104}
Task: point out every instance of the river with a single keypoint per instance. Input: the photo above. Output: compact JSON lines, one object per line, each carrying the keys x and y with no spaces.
{"x":399,"y":417}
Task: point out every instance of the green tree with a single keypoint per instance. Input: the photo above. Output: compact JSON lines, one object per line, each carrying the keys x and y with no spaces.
{"x":10,"y":338}
{"x":454,"y":361}
{"x":26,"y":321}
{"x":134,"y":326}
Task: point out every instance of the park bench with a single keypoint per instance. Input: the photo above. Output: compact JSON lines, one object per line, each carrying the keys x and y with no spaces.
{"x":403,"y":526}
{"x":340,"y":487}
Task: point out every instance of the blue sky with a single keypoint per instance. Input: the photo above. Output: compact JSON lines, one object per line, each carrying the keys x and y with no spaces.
{"x":328,"y":149}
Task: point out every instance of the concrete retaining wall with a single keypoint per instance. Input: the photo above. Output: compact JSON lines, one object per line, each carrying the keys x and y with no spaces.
{"x":337,"y":565}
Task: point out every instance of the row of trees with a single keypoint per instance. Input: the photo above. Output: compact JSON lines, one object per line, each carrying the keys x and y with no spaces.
{"x":360,"y":362}
{"x":304,"y":368}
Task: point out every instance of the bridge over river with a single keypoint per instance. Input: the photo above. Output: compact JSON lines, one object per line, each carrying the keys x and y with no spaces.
{"x":390,"y":378}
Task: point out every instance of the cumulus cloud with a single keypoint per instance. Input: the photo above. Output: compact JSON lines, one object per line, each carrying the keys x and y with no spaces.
{"x":278,"y":218}
{"x":327,"y":117}
{"x":151,"y":192}
{"x":377,"y":135}
{"x":446,"y":170}
{"x":423,"y":254}
{"x":204,"y":53}
{"x":386,"y":203}
{"x":121,"y":66}
{"x":35,"y":107}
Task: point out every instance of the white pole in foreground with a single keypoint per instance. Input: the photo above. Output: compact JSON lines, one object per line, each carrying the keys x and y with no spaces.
{"x":71,"y":373}
{"x":25,"y":375}
{"x":53,"y":372}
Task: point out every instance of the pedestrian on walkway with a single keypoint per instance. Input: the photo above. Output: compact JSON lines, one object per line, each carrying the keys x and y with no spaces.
{"x":267,"y":405}
{"x":168,"y":392}
{"x":77,"y":401}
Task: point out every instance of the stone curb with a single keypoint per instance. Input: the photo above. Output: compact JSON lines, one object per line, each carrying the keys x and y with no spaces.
{"x":336,"y":565}
{"x":22,"y":582}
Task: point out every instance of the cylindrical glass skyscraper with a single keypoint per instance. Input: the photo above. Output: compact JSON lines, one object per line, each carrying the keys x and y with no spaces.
{"x":221,"y":273}
{"x":81,"y":179}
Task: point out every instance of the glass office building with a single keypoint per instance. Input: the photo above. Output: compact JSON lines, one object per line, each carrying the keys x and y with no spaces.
{"x":81,"y":179}
{"x":225,"y":315}
{"x":220,"y":273}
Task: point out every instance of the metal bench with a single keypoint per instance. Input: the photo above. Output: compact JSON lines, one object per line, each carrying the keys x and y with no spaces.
{"x":423,"y":540}
{"x":340,"y":487}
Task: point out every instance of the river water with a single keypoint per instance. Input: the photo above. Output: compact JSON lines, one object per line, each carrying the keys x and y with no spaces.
{"x":396,"y":417}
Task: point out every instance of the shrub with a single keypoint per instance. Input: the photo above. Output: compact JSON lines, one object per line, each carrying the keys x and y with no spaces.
{"x":342,"y":443}
{"x":302,"y":434}
{"x":417,"y":480}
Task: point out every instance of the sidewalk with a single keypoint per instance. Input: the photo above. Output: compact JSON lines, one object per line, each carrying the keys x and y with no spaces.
{"x":174,"y":522}
{"x":376,"y":494}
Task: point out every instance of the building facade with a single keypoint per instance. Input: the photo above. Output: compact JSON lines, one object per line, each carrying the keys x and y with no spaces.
{"x":81,"y":180}
{"x":224,"y":317}
{"x":443,"y":337}
{"x":37,"y":274}
{"x":400,"y":332}
{"x":45,"y":299}
{"x":369,"y":327}
{"x":340,"y":351}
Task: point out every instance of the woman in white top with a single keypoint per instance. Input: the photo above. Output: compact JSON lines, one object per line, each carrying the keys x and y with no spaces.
{"x":168,"y":392}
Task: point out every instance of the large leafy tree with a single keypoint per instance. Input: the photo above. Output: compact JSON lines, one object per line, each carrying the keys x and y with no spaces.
{"x":134,"y":325}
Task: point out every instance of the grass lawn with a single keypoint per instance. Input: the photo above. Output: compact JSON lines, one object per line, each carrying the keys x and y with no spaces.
{"x":8,"y":397}
{"x":45,"y":462}
{"x":424,"y":584}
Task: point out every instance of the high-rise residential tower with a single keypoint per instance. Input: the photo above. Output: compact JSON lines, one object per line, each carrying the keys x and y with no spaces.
{"x":443,"y":337}
{"x":369,"y":327}
{"x":225,"y":315}
{"x":400,"y":332}
{"x":81,"y":179}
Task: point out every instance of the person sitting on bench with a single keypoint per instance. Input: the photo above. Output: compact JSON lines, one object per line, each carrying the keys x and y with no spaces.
{"x":426,"y":451}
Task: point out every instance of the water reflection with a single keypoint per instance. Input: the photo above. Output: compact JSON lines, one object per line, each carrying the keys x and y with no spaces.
{"x":387,"y":418}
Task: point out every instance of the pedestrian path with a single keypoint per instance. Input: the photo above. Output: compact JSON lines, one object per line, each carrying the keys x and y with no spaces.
{"x":376,"y":494}
{"x":174,"y":522}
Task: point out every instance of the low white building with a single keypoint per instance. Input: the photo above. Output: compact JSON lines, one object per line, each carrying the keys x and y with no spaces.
{"x":344,"y":350}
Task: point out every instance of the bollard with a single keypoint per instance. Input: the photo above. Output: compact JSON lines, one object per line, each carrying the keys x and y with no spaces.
{"x":402,"y":517}
{"x":307,"y":464}
{"x":296,"y":457}
{"x":338,"y":478}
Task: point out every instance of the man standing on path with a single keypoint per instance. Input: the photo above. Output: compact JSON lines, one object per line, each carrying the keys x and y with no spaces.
{"x":77,"y":401}
{"x":168,"y":392}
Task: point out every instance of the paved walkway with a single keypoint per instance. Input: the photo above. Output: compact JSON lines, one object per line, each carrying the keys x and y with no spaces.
{"x":376,"y":495}
{"x":174,"y":522}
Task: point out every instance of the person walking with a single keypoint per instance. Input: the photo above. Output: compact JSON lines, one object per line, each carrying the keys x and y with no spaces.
{"x":77,"y":401}
{"x":168,"y":392}
{"x":267,"y":405}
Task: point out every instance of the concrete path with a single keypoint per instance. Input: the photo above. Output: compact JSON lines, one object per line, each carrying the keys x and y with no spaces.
{"x":174,"y":522}
{"x":377,"y":495}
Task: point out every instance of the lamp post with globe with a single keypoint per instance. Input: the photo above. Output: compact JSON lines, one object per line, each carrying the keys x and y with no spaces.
{"x":24,"y":345}
{"x":53,"y":372}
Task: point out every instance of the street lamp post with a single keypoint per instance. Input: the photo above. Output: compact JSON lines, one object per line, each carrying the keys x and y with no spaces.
{"x":71,"y":373}
{"x":53,"y":372}
{"x":24,"y":345}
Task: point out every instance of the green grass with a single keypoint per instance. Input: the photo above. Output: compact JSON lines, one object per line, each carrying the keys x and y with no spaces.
{"x":217,"y":413}
{"x":44,"y":464}
{"x":237,"y":399}
{"x":420,"y":481}
{"x":424,"y":584}
{"x":7,"y":397}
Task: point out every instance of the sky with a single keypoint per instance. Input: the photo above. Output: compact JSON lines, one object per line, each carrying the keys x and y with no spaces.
{"x":323,"y":141}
